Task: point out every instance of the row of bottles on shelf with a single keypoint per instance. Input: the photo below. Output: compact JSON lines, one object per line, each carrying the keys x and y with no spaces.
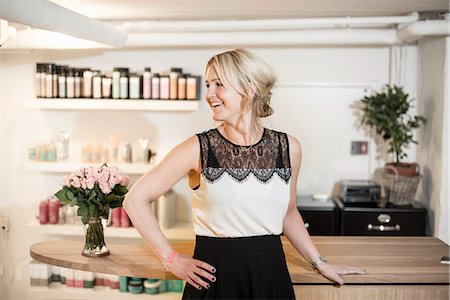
{"x":51,"y":211}
{"x":95,"y":151}
{"x":42,"y":274}
{"x":62,"y":81}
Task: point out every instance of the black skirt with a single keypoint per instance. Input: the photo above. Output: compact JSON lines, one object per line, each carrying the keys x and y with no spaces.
{"x":246,"y":268}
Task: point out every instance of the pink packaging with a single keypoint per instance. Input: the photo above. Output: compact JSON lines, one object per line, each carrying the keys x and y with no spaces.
{"x":124,"y":219}
{"x":116,"y":212}
{"x":43,"y":212}
{"x":53,"y":208}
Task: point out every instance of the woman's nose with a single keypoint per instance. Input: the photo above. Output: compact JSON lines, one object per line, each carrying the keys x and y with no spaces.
{"x":210,"y":92}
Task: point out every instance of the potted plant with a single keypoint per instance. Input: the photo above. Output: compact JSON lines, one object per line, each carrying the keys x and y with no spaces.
{"x":387,"y":113}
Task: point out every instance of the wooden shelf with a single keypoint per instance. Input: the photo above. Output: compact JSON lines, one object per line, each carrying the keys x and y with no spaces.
{"x":178,"y":231}
{"x":72,"y":166}
{"x":113,"y":104}
{"x":60,"y":291}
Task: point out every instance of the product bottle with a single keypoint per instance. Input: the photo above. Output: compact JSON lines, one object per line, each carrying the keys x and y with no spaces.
{"x":124,"y":84}
{"x":147,"y":83}
{"x":173,"y":83}
{"x":43,"y":82}
{"x":43,"y":212}
{"x":155,"y":86}
{"x":164,"y":87}
{"x":191,"y":89}
{"x":87,"y":83}
{"x":56,"y":72}
{"x":49,"y":81}
{"x":96,"y":84}
{"x":53,"y":208}
{"x":62,"y":82}
{"x":116,"y":83}
{"x":116,"y":217}
{"x":70,"y":84}
{"x":77,"y":83}
{"x":113,"y":148}
{"x":182,"y":87}
{"x":38,"y":79}
{"x":124,"y":220}
{"x":135,"y":86}
{"x":106,"y":87}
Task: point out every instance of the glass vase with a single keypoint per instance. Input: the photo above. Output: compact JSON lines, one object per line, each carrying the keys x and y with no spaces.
{"x":95,"y":245}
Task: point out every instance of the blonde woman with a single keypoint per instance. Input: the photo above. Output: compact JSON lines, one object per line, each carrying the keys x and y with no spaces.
{"x":243,"y":179}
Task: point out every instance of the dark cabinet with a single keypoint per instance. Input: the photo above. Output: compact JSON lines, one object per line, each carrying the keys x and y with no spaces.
{"x":381,"y":221}
{"x":320,"y":217}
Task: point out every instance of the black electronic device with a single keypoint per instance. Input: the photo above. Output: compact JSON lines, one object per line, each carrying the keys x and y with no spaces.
{"x":359,"y":191}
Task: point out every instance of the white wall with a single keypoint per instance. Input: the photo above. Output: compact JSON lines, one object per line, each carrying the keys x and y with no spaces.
{"x":317,"y":86}
{"x":433,"y":151}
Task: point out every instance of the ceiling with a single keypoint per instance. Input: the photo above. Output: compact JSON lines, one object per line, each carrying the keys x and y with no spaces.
{"x":249,"y":9}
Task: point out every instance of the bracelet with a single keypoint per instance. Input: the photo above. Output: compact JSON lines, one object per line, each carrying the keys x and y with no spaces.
{"x":317,"y":261}
{"x":167,"y":261}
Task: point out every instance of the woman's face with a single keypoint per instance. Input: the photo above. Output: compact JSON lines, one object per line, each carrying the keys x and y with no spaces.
{"x":225,"y":104}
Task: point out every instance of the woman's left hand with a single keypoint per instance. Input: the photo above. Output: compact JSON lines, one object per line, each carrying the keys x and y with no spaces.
{"x":333,"y":273}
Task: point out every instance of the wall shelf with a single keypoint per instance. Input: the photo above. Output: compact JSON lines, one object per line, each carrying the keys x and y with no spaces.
{"x":72,"y":166}
{"x":113,"y":104}
{"x":178,"y":231}
{"x":59,"y":291}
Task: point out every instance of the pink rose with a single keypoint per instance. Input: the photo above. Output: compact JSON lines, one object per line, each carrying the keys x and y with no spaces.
{"x":76,"y":182}
{"x":104,"y":187}
{"x":125,"y":180}
{"x":83,"y":183}
{"x":90,"y":182}
{"x":66,"y":180}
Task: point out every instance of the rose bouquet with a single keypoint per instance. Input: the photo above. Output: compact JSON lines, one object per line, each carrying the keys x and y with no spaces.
{"x":95,"y":190}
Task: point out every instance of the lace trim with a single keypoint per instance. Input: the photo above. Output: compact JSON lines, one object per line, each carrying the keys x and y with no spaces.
{"x":263,"y":175}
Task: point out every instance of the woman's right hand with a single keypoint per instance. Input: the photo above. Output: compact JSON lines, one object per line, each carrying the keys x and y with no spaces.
{"x":192,"y":270}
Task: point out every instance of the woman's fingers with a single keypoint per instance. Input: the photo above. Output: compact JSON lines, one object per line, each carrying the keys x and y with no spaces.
{"x":205,"y":274}
{"x":199,"y":281}
{"x":205,"y":266}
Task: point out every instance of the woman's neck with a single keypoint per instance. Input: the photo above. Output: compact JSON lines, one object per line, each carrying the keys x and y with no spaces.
{"x":244,"y":135}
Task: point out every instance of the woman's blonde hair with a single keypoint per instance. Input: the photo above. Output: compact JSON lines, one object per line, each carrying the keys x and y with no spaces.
{"x":246,"y":74}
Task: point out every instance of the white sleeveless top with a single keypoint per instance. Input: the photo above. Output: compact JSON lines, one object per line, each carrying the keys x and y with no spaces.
{"x":244,"y":190}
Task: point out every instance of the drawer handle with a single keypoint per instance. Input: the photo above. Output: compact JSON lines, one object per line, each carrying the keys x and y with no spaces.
{"x":384,"y":218}
{"x":371,"y":227}
{"x":306,"y":225}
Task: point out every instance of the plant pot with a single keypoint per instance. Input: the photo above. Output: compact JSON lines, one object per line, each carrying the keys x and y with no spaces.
{"x":403,"y":169}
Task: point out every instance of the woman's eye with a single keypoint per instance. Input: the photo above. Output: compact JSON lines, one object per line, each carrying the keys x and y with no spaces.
{"x":207,"y":85}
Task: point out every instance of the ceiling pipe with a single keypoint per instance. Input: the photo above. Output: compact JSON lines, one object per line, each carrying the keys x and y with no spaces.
{"x":263,"y":25}
{"x":264,"y":38}
{"x":415,"y":31}
{"x":50,"y":16}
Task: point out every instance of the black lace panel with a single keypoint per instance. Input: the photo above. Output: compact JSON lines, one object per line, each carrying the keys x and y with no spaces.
{"x":268,"y":156}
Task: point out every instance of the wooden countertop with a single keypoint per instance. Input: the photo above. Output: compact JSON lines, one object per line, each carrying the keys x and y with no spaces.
{"x":388,"y":260}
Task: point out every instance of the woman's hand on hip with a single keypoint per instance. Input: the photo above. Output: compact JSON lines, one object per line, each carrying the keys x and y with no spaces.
{"x":193,"y":271}
{"x":333,"y":273}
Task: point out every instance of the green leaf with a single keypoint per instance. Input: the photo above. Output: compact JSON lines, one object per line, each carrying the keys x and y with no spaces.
{"x":120,"y":190}
{"x":61,"y":195}
{"x":92,"y":195}
{"x":93,"y":210}
{"x":70,"y":195}
{"x":82,"y":210}
{"x":115,"y":203}
{"x":85,"y":220}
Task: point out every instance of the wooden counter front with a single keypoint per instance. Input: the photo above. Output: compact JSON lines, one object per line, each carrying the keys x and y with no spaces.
{"x":397,"y":267}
